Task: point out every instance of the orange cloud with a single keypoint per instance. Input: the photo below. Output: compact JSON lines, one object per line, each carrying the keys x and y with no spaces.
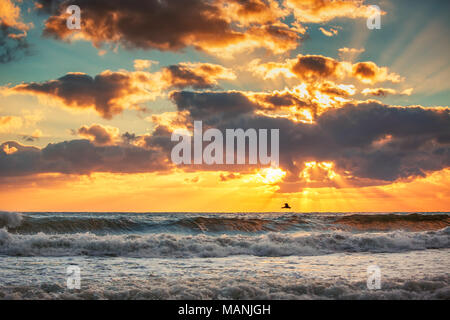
{"x":253,"y":11}
{"x":304,"y":102}
{"x":319,"y":11}
{"x":369,"y":72}
{"x":9,"y":150}
{"x":329,"y":33}
{"x":319,"y":68}
{"x":108,"y":93}
{"x":10,"y":123}
{"x":10,"y":17}
{"x":142,"y":64}
{"x":196,"y":75}
{"x":99,"y":134}
{"x":13,"y":32}
{"x":382,"y":92}
{"x":219,"y":27}
{"x":111,"y":92}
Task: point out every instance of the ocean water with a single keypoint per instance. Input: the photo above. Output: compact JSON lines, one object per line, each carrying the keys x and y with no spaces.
{"x":224,"y":256}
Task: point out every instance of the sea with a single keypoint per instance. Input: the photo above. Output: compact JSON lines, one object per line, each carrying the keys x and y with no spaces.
{"x":81,"y":255}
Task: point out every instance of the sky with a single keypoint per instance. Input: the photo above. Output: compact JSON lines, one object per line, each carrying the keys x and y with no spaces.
{"x":86,"y":115}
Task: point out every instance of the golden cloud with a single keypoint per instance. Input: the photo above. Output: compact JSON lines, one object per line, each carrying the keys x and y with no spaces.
{"x":111,"y":92}
{"x":319,"y":11}
{"x":319,"y":68}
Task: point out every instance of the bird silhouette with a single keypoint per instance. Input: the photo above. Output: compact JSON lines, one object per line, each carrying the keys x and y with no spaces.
{"x":286,"y":206}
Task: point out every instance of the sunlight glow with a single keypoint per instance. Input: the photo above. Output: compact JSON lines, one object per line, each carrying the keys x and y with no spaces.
{"x":270,"y":175}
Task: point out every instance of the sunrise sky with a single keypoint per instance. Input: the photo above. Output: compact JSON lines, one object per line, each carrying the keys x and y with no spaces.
{"x":86,"y":115}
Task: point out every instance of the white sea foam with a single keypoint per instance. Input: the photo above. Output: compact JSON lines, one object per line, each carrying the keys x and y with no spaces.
{"x":230,"y":288}
{"x":202,"y":245}
{"x":10,"y":219}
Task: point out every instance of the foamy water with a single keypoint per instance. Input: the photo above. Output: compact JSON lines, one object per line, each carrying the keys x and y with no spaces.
{"x":224,"y":256}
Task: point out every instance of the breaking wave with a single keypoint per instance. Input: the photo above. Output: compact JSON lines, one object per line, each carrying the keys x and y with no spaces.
{"x":111,"y":223}
{"x":10,"y":219}
{"x":412,"y":222}
{"x":430,"y":288}
{"x":163,"y":245}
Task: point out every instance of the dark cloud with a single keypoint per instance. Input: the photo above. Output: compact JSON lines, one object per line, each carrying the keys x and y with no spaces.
{"x":195,"y":75}
{"x":314,"y":67}
{"x":368,"y":140}
{"x":216,"y":105}
{"x":383,"y":92}
{"x":78,"y":157}
{"x":111,"y":92}
{"x":364,"y":69}
{"x":369,"y":143}
{"x":168,"y":25}
{"x":183,"y":77}
{"x":12,"y":48}
{"x":28,"y":138}
{"x":128,"y":137}
{"x":13,"y":32}
{"x":98,"y":134}
{"x":165,"y":25}
{"x":104,"y":92}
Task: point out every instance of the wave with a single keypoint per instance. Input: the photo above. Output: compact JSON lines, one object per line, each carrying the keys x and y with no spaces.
{"x":10,"y":219}
{"x":162,"y":245}
{"x":225,"y":288}
{"x":17,"y":223}
{"x":70,"y":225}
{"x":239,"y":224}
{"x":111,"y":223}
{"x":412,"y":222}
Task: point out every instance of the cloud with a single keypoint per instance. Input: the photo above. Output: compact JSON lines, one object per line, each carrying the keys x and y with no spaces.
{"x":361,"y":143}
{"x":230,"y":176}
{"x":111,"y":92}
{"x":369,"y":143}
{"x":7,"y":149}
{"x":10,"y":123}
{"x":369,"y":72}
{"x":319,"y":11}
{"x":98,"y":134}
{"x":302,"y":103}
{"x":35,"y":135}
{"x":142,"y":64}
{"x":219,"y":27}
{"x":318,"y":67}
{"x":382,"y":92}
{"x":218,"y":105}
{"x":349,"y":54}
{"x":195,"y":75}
{"x":13,"y":32}
{"x":311,"y":66}
{"x":78,"y":157}
{"x":329,"y":33}
{"x":254,"y":11}
{"x":12,"y":48}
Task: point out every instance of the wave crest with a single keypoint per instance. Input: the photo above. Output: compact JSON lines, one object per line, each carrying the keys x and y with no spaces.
{"x":411,"y":222}
{"x":202,"y":245}
{"x":10,"y":219}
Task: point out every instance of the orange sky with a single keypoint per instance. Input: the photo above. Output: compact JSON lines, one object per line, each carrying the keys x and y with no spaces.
{"x":251,"y":193}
